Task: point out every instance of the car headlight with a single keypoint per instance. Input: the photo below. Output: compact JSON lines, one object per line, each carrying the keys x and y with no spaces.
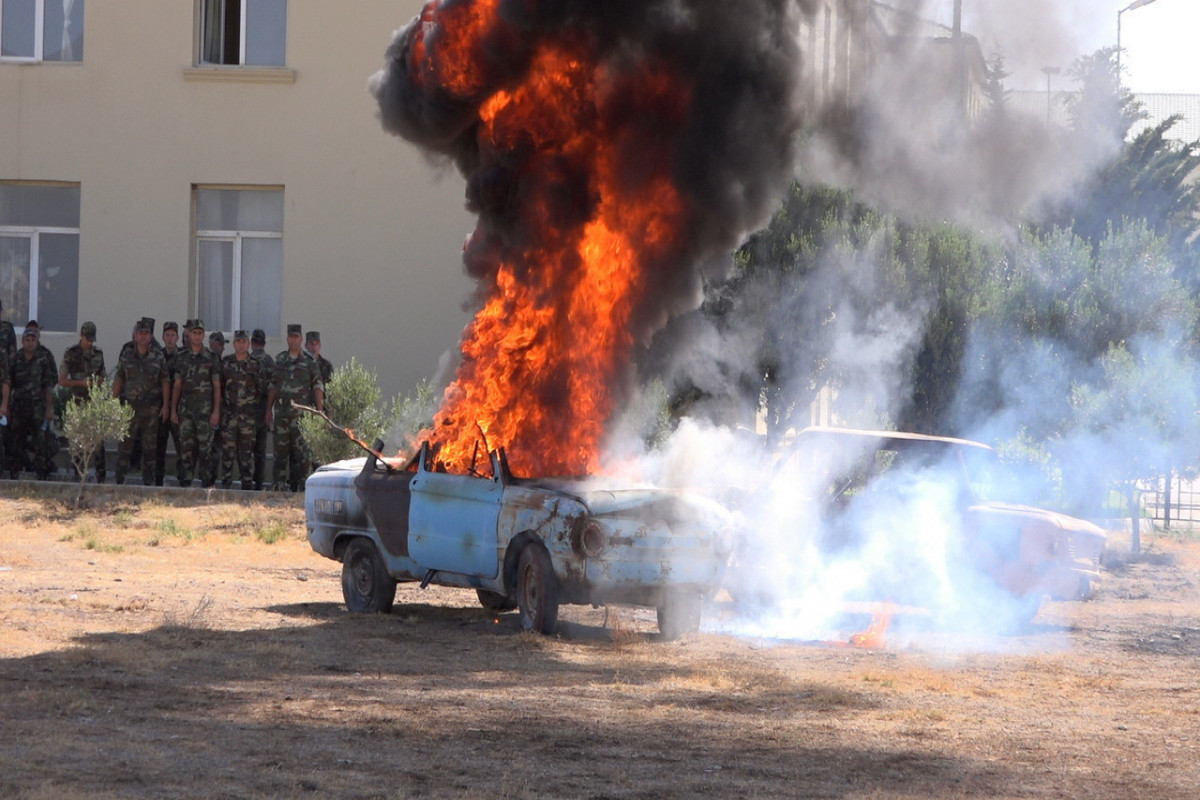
{"x":589,"y":539}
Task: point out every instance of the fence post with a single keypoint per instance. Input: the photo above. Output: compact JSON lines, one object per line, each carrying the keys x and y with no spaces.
{"x":1167,"y":501}
{"x":1135,"y":515}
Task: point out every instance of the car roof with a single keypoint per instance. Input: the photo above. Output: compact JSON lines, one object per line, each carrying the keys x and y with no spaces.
{"x":820,"y":430}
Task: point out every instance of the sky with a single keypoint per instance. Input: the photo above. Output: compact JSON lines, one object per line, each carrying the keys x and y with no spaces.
{"x":1160,"y":40}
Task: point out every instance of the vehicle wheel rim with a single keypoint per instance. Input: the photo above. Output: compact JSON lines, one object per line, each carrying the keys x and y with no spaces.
{"x":531,"y":592}
{"x":362,"y":578}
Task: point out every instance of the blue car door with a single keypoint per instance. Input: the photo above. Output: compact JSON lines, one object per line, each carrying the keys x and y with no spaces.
{"x":452,"y":523}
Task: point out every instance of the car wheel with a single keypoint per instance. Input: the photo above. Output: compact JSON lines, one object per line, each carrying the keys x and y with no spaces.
{"x":366,"y":585}
{"x":537,"y":590}
{"x":678,"y":615}
{"x":494,"y":601}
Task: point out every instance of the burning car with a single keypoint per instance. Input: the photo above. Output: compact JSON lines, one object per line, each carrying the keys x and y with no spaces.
{"x":528,"y":544}
{"x":913,"y":519}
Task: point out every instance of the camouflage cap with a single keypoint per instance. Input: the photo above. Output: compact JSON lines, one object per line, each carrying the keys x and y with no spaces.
{"x":259,"y":336}
{"x":32,"y":329}
{"x":144,"y":324}
{"x":240,"y":335}
{"x":217,"y":336}
{"x":194,"y":324}
{"x":170,"y":326}
{"x":88,"y":331}
{"x":312,"y":336}
{"x":149,"y":321}
{"x":295,"y":330}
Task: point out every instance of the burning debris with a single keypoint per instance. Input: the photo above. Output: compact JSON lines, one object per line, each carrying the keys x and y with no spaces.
{"x":613,"y":152}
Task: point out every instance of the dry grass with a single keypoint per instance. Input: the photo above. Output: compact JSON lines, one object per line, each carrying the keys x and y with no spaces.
{"x":158,"y":649}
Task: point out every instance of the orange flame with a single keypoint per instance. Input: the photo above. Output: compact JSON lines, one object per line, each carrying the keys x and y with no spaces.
{"x":873,"y":636}
{"x":553,"y":337}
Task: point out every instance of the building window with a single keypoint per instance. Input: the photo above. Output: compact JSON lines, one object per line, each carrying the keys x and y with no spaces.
{"x":41,"y":30}
{"x":243,"y":32}
{"x":39,"y":253}
{"x":239,"y":258}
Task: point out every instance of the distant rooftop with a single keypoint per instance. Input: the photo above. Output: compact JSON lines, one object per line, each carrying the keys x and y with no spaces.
{"x":1160,"y":106}
{"x":1157,"y":107}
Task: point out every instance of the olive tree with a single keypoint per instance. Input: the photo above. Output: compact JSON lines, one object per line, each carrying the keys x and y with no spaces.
{"x":87,"y":423}
{"x":352,"y":401}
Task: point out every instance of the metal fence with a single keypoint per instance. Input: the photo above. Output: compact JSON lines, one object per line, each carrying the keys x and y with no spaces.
{"x":1172,"y":502}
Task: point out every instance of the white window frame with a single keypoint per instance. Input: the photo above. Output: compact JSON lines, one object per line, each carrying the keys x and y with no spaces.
{"x":237,"y":238}
{"x":205,"y":36}
{"x":39,"y":37}
{"x":39,"y":33}
{"x":34,"y":235}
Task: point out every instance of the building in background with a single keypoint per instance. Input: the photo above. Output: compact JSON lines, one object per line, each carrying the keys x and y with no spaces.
{"x":221,"y":159}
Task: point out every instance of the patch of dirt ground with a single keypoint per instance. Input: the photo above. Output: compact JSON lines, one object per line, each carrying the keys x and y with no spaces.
{"x":183,"y":645}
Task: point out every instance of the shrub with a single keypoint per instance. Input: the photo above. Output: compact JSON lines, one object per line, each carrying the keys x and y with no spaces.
{"x":88,"y":423}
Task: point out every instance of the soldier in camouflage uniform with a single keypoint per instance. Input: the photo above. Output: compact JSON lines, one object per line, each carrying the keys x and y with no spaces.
{"x":166,"y":429}
{"x":196,"y":407}
{"x":5,"y":394}
{"x":8,"y":337}
{"x":8,"y":349}
{"x":82,"y":364}
{"x":141,"y":378}
{"x":258,"y":342}
{"x":296,"y":380}
{"x":33,"y":377}
{"x":312,"y":343}
{"x":216,"y":344}
{"x":135,"y":457}
{"x":241,"y":383}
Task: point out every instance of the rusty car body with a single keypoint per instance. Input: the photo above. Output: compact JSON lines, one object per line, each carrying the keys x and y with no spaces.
{"x":521,"y":543}
{"x":912,"y":489}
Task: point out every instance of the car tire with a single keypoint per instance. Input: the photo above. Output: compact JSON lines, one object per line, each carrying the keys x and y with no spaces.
{"x":537,"y":590}
{"x":678,"y":615}
{"x":366,"y":585}
{"x":494,"y":601}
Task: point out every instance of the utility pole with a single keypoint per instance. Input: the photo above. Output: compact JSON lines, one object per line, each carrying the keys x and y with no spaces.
{"x":1130,"y":7}
{"x":960,"y":61}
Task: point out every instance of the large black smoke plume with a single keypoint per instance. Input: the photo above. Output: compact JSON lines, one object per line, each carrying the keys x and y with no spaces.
{"x":733,"y":150}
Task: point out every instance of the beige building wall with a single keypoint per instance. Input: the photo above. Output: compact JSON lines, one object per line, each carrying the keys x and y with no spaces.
{"x":372,"y":232}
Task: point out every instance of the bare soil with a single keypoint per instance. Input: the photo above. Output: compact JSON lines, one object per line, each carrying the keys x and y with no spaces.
{"x":190,"y":645}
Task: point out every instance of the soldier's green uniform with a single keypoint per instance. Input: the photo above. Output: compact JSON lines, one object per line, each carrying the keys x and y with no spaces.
{"x":34,"y":375}
{"x":258,"y":342}
{"x":296,"y":379}
{"x":79,"y":364}
{"x":8,"y":340}
{"x":142,"y":381}
{"x":197,"y":372}
{"x":166,"y":428}
{"x":8,"y":348}
{"x":241,"y":387}
{"x":5,"y":380}
{"x":136,"y":456}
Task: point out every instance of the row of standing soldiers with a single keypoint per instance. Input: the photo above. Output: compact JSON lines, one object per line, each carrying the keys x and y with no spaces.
{"x":217,"y":411}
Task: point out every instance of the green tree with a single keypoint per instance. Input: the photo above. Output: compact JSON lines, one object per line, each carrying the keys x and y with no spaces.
{"x":354,"y":405}
{"x":1145,"y":179}
{"x":411,"y":415}
{"x":88,"y":423}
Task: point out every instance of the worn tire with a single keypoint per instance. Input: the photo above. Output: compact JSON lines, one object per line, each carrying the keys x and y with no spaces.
{"x":678,"y":615}
{"x":537,"y":590}
{"x":366,"y":585}
{"x":494,"y":601}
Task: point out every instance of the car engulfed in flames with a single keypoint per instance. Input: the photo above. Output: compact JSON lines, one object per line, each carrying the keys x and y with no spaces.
{"x":521,"y":543}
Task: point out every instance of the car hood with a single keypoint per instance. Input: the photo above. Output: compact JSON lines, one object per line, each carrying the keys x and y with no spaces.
{"x":1065,"y":522}
{"x":639,"y":501}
